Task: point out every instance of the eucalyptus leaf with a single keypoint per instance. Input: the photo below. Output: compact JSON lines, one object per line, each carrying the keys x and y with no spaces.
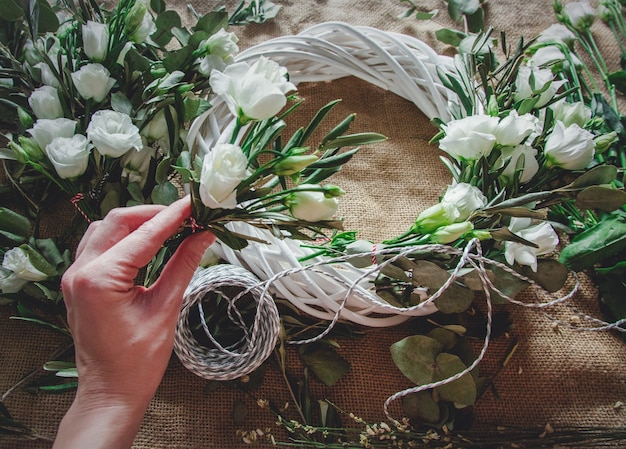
{"x":212,"y":22}
{"x":164,"y":23}
{"x":618,"y":79}
{"x":450,"y":37}
{"x":421,"y":406}
{"x":415,"y":357}
{"x":460,"y":391}
{"x":454,"y":299}
{"x":165,"y":193}
{"x":445,"y":337}
{"x":601,"y":174}
{"x":158,"y":6}
{"x":420,"y":15}
{"x":325,"y":362}
{"x":550,"y":274}
{"x":10,"y":11}
{"x":602,"y":198}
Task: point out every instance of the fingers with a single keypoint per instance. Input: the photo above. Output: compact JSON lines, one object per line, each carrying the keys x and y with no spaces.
{"x":104,"y":234}
{"x":180,"y":268}
{"x":137,"y":248}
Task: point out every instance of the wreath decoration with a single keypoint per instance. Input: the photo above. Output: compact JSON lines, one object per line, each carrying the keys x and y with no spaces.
{"x":335,"y":288}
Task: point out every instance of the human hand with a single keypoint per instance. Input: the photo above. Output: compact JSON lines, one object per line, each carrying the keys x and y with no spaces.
{"x":123,"y":332}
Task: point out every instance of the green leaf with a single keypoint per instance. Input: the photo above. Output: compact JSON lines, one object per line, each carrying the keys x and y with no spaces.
{"x":550,"y":274}
{"x":596,"y":244}
{"x":212,"y":22}
{"x":421,"y":15}
{"x":618,"y":79}
{"x":165,"y":22}
{"x":450,"y":37}
{"x":44,"y":324}
{"x":352,"y":140}
{"x":476,"y":21}
{"x":38,"y":261}
{"x":164,"y":194}
{"x":601,"y":174}
{"x":10,"y":10}
{"x":461,"y":391}
{"x":178,"y":58}
{"x":602,"y":198}
{"x":121,"y":103}
{"x":325,"y":362}
{"x":48,"y":20}
{"x":415,"y":357}
{"x":158,"y":6}
{"x":454,"y":299}
{"x":421,"y":406}
{"x":14,"y":224}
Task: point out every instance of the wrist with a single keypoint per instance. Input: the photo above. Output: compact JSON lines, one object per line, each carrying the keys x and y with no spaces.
{"x":97,"y":421}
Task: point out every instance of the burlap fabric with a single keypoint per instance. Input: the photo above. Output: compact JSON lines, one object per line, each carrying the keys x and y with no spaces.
{"x":566,"y":378}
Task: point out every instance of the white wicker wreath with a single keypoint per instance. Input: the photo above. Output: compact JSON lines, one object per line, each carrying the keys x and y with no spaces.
{"x":328,"y":51}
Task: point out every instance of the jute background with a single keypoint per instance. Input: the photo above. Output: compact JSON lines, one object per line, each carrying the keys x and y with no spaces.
{"x":566,"y":378}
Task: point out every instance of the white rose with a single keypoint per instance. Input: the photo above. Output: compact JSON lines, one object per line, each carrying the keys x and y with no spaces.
{"x":218,"y":51}
{"x":95,"y":40}
{"x":553,"y":58}
{"x":541,"y":235}
{"x":69,"y":155}
{"x":9,"y":282}
{"x":157,"y":128}
{"x":571,"y":148}
{"x":311,"y":206}
{"x":45,"y":103}
{"x":461,"y":200}
{"x":113,"y":133}
{"x":542,"y":78}
{"x":93,"y":81}
{"x":223,"y":168}
{"x":513,"y":129}
{"x":571,"y":113}
{"x":18,"y":261}
{"x":531,"y":166}
{"x":46,"y":130}
{"x":469,"y":138}
{"x":254,"y":92}
{"x":557,"y":33}
{"x":579,"y":14}
{"x":48,"y":77}
{"x":139,"y":23}
{"x":136,"y":165}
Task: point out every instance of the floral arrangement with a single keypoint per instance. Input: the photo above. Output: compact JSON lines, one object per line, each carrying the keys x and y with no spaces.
{"x":532,"y":145}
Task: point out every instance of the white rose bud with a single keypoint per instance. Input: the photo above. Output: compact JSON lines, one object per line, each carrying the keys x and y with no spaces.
{"x":48,"y":78}
{"x":469,"y":138}
{"x":218,"y":51}
{"x":580,"y":14}
{"x":9,"y":282}
{"x":571,"y":148}
{"x":18,"y":261}
{"x":46,"y":130}
{"x":69,"y":155}
{"x":552,"y":57}
{"x":93,"y":81}
{"x":542,"y":77}
{"x":571,"y":113}
{"x":541,"y":235}
{"x":514,"y":129}
{"x":45,"y":103}
{"x":557,"y":33}
{"x":311,"y":206}
{"x":223,"y":168}
{"x":136,"y":165}
{"x":95,"y":40}
{"x":531,"y":166}
{"x":254,"y":92}
{"x":139,"y":23}
{"x":113,"y":133}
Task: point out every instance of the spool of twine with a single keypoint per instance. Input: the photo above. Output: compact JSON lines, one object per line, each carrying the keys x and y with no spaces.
{"x":210,"y":359}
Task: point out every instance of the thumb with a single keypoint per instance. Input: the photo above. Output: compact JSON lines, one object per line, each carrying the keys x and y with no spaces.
{"x":180,"y":268}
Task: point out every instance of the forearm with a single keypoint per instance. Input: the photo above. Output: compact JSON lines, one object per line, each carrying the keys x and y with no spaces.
{"x":88,"y":425}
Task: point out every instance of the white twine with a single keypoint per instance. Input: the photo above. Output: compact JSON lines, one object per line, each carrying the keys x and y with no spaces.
{"x":232,"y":364}
{"x":242,"y":357}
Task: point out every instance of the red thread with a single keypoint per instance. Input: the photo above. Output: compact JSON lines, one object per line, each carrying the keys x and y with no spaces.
{"x":195,"y":227}
{"x":374,"y":261}
{"x":77,"y":199}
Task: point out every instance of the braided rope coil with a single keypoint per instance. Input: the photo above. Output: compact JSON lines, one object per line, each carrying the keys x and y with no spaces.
{"x":399,"y":63}
{"x":258,"y":341}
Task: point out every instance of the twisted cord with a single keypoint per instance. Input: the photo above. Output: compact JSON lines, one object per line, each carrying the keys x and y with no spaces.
{"x":245,"y":355}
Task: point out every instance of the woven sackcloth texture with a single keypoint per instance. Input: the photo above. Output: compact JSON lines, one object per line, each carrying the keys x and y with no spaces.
{"x":565,"y":378}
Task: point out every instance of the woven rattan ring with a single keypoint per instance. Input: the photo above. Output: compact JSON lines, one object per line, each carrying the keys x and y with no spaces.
{"x":232,"y":288}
